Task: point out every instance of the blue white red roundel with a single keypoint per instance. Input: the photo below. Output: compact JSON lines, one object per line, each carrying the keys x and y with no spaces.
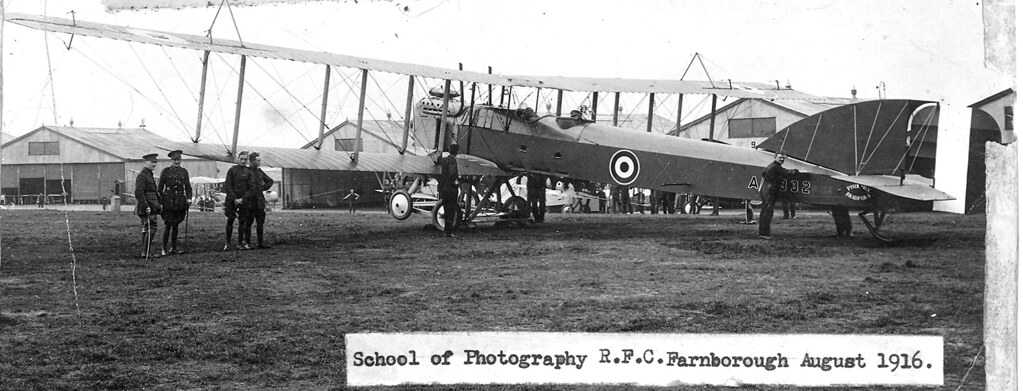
{"x":624,"y":167}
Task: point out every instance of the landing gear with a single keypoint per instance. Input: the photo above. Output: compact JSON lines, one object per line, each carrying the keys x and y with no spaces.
{"x":400,"y":205}
{"x":438,"y":216}
{"x":515,"y":207}
{"x":880,"y":219}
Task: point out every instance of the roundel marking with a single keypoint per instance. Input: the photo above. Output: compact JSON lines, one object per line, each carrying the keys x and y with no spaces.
{"x":624,"y":167}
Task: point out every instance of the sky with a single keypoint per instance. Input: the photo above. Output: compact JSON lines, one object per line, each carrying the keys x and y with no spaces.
{"x":929,"y":50}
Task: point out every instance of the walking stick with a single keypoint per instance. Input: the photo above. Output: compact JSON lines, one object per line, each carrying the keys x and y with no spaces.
{"x":188,"y":208}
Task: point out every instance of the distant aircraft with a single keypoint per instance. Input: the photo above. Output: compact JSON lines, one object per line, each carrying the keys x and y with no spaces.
{"x":859,"y":156}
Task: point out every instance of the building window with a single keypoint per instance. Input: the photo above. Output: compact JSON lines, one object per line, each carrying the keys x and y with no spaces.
{"x":751,"y":127}
{"x":43,"y":148}
{"x":1008,"y":117}
{"x":345,"y":144}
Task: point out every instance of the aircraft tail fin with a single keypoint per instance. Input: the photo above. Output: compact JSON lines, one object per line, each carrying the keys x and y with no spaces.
{"x":880,"y":137}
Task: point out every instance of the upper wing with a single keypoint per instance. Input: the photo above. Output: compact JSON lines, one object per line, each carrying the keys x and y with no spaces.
{"x":324,"y":159}
{"x":893,"y":185}
{"x":187,"y":41}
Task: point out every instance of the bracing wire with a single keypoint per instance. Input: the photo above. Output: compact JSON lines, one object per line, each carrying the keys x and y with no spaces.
{"x":49,"y":69}
{"x":261,"y":96}
{"x":184,"y":127}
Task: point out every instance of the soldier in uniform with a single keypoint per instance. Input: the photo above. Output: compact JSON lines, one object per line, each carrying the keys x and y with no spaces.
{"x":175,"y":195}
{"x":447,"y":185}
{"x":148,"y":205}
{"x":772,"y":177}
{"x":257,"y":207}
{"x":237,"y":183}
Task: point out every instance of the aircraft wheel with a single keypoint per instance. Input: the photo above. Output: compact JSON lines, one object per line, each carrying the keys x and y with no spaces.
{"x":566,"y":209}
{"x":438,"y":216}
{"x":400,"y":205}
{"x":518,"y":207}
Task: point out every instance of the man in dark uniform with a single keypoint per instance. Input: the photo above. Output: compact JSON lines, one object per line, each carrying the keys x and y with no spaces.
{"x":447,"y":185}
{"x":175,"y":196}
{"x":148,"y":205}
{"x":237,"y":183}
{"x":536,"y":192}
{"x":257,"y":207}
{"x":773,"y":175}
{"x":790,"y":210}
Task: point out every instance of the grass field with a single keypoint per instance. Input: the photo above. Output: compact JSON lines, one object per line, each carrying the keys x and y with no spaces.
{"x":86,"y":314}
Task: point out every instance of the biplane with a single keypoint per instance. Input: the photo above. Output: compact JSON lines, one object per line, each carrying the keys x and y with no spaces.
{"x":861,"y":156}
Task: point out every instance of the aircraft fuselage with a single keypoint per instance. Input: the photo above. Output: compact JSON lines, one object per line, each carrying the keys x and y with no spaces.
{"x":580,"y":149}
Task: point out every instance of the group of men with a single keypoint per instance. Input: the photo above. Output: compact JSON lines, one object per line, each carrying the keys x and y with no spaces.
{"x":172,"y":197}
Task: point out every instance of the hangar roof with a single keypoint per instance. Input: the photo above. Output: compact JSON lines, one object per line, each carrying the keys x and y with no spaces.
{"x":123,"y":143}
{"x":805,"y":108}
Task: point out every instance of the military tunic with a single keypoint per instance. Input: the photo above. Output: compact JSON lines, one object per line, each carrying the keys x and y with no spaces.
{"x":147,"y":206}
{"x":175,"y":191}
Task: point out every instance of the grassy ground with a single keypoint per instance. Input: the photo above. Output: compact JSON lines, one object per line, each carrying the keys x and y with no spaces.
{"x":86,"y":314}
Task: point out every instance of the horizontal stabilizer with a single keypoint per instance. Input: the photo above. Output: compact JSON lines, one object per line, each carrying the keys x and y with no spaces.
{"x":324,"y":159}
{"x":909,"y":188}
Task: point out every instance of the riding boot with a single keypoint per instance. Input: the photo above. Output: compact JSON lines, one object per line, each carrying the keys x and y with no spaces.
{"x":259,"y":235}
{"x":166,"y":235}
{"x":147,"y":247}
{"x":174,"y":239}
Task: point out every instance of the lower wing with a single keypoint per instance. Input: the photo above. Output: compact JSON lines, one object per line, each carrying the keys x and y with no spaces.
{"x":323,"y":159}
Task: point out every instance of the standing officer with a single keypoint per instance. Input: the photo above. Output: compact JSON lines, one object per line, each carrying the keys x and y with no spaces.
{"x":773,"y":175}
{"x":447,"y":185}
{"x":175,"y":195}
{"x":148,"y":205}
{"x":257,"y":208}
{"x":236,"y":185}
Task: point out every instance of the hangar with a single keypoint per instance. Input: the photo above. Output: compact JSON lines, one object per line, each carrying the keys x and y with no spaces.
{"x":302,"y":188}
{"x":746,"y":120}
{"x":81,"y":165}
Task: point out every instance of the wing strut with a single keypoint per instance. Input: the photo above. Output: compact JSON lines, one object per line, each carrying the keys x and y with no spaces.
{"x":560,"y":93}
{"x":678,"y":117}
{"x":238,"y":108}
{"x":202,"y":94}
{"x":408,"y":113}
{"x":650,"y":115}
{"x":323,"y":108}
{"x":614,"y":118}
{"x":444,"y":140}
{"x":362,"y":108}
{"x":593,"y":106}
{"x":472,"y":121}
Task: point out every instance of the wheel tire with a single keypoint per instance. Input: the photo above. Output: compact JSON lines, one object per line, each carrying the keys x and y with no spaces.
{"x":518,"y":207}
{"x":438,"y":216}
{"x":566,"y":209}
{"x":400,"y":205}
